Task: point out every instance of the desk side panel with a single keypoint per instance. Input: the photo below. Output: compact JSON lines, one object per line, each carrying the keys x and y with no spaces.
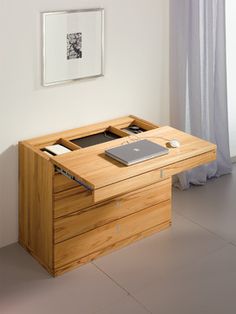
{"x":35,"y":205}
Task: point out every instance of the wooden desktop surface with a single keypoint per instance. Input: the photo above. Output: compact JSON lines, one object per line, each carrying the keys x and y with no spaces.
{"x":94,"y":168}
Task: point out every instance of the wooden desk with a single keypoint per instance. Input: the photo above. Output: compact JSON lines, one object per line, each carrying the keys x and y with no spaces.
{"x":64,"y":224}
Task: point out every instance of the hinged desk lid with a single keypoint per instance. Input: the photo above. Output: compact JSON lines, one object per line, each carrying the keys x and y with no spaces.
{"x":92,"y":167}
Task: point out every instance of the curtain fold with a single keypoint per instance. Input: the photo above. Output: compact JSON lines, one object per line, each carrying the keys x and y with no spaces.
{"x":198,"y":91}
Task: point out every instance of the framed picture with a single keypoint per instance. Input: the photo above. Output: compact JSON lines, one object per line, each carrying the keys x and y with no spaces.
{"x":73,"y":45}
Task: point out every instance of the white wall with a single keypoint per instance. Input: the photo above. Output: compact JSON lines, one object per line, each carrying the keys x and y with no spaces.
{"x":135,"y":81}
{"x":231,"y":71}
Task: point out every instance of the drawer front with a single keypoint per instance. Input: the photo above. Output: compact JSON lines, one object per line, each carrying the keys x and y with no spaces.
{"x":129,"y":184}
{"x":62,"y":183}
{"x":76,"y":198}
{"x":72,"y":200}
{"x":96,"y":216}
{"x":110,"y":234}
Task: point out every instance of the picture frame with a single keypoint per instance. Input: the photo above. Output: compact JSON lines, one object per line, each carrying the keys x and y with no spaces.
{"x":73,"y":45}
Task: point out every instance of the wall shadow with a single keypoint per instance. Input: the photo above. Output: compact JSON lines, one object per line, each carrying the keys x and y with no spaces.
{"x":19,"y":274}
{"x":17,"y":267}
{"x":9,"y":195}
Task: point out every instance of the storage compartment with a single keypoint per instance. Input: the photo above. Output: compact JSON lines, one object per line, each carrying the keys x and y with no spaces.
{"x":81,"y":205}
{"x":61,"y":146}
{"x":93,"y":217}
{"x":138,"y":126}
{"x":69,"y":201}
{"x":70,"y":253}
{"x":133,"y":129}
{"x":110,"y":134}
{"x":62,"y":183}
{"x":94,"y":139}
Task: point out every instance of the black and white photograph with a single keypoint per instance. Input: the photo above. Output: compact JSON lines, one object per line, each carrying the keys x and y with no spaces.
{"x":74,"y":46}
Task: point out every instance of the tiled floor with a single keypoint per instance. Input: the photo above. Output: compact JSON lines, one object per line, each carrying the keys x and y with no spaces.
{"x":188,"y":269}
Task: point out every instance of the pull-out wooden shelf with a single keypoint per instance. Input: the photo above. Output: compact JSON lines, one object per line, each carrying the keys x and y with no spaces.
{"x":100,"y":205}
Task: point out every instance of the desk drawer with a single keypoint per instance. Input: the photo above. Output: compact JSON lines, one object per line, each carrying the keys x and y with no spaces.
{"x":62,"y":183}
{"x":96,"y":216}
{"x":127,"y":185}
{"x":69,"y":201}
{"x":97,"y":240}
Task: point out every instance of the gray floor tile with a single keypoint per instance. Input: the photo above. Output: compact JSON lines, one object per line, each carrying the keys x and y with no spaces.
{"x":208,"y":286}
{"x":25,"y":288}
{"x":163,"y":253}
{"x":213,"y":206}
{"x":125,"y":305}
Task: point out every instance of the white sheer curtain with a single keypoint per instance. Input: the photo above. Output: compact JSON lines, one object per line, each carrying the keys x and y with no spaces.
{"x":198,"y":92}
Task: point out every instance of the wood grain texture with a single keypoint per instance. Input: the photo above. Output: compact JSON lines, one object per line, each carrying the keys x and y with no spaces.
{"x":151,"y":176}
{"x":68,"y":144}
{"x":68,"y":201}
{"x":80,"y":132}
{"x":92,"y":167}
{"x":62,"y":183}
{"x":24,"y":192}
{"x":96,"y":216}
{"x":188,"y":164}
{"x":35,"y":205}
{"x":117,"y":245}
{"x":147,"y":125}
{"x":50,"y":270}
{"x":130,"y":184}
{"x":118,"y":132}
{"x":126,"y":204}
{"x":99,"y":238}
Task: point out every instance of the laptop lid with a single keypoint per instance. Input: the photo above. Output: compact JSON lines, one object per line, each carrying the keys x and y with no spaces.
{"x":138,"y":151}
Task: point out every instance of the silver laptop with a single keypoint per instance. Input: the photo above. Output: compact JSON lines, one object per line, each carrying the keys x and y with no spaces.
{"x":133,"y":153}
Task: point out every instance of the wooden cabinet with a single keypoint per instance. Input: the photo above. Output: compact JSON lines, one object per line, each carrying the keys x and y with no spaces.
{"x":82,"y":204}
